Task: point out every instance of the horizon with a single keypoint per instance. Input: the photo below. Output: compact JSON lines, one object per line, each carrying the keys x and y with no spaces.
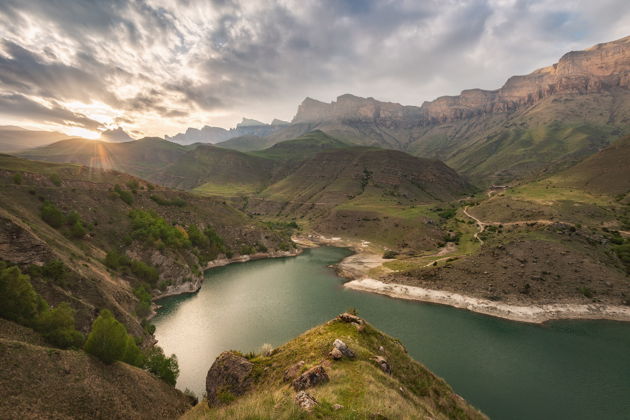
{"x":156,"y":68}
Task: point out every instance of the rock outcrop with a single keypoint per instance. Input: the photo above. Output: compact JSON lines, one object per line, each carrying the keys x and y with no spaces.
{"x":228,"y":377}
{"x":601,"y":67}
{"x":305,"y":401}
{"x":314,"y":376}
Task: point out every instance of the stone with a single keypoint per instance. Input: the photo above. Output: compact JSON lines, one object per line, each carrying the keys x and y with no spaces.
{"x":314,"y":376}
{"x":337,"y":407}
{"x":382,"y":363}
{"x":343,"y":348}
{"x":305,"y":401}
{"x":336,"y":354}
{"x":230,"y":374}
{"x":293,"y":371}
{"x":346,"y":317}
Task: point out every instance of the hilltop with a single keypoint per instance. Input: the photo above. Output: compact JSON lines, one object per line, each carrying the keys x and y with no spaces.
{"x":306,"y":378}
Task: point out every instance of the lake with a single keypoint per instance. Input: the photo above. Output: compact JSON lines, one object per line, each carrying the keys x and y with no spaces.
{"x":509,"y":370}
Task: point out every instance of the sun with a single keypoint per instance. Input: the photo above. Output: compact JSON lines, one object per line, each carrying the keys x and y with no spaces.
{"x":82,"y":132}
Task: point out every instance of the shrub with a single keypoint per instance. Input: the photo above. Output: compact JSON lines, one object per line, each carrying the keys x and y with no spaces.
{"x":77,"y":230}
{"x":147,"y":226}
{"x":144,"y":271}
{"x":133,"y":355}
{"x":197,"y":238}
{"x":54,"y":270}
{"x":55,"y":179}
{"x":17,"y":178}
{"x":107,"y":339}
{"x":390,"y":254}
{"x":165,"y":368}
{"x":19,"y":301}
{"x":178,"y":202}
{"x":124,"y":195}
{"x":57,"y":325}
{"x":143,"y":308}
{"x":52,"y":215}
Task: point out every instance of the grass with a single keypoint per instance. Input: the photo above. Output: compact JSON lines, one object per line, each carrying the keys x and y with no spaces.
{"x":225,"y":190}
{"x":411,"y":391}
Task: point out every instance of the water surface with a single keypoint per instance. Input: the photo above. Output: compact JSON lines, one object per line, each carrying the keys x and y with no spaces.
{"x":510,"y":370}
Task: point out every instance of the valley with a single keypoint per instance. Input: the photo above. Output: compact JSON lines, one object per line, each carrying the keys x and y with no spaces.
{"x":118,"y":258}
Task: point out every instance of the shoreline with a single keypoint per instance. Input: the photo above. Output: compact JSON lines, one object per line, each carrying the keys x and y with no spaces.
{"x":356,"y":269}
{"x":192,"y":287}
{"x":533,"y":314}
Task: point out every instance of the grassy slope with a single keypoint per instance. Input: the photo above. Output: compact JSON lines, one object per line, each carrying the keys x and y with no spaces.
{"x":364,"y":391}
{"x":142,"y":158}
{"x":88,"y":192}
{"x":365,"y":193}
{"x":39,"y":382}
{"x":607,"y":172}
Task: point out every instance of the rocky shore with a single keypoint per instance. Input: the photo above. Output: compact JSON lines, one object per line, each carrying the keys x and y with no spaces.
{"x":526,"y":313}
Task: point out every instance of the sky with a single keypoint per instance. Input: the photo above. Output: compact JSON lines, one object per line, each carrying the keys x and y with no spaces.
{"x":156,"y":67}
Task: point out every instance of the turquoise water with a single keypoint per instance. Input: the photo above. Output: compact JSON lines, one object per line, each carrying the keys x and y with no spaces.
{"x":510,"y":370}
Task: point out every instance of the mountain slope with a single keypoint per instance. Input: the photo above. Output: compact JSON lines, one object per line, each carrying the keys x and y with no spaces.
{"x":13,"y":139}
{"x":117,"y":212}
{"x":534,"y":124}
{"x":333,"y":177}
{"x":140,"y":157}
{"x":606,"y":172}
{"x":380,"y":381}
{"x":75,"y":385}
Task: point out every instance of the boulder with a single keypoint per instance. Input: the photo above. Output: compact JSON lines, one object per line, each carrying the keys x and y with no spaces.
{"x":228,"y":377}
{"x":382,"y":363}
{"x":305,"y":401}
{"x":314,"y":376}
{"x":293,"y":371}
{"x":336,"y":354}
{"x":346,"y":317}
{"x":343,"y":349}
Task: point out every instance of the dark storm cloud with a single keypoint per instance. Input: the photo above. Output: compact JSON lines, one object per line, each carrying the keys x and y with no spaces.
{"x":155,"y":60}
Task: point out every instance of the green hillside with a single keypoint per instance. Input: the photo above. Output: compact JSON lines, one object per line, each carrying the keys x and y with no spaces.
{"x":380,"y":381}
{"x":606,"y":172}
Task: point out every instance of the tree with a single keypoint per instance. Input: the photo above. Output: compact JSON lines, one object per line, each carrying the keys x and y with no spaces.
{"x":19,"y":301}
{"x":107,"y":339}
{"x":58,"y":327}
{"x":165,"y":368}
{"x":52,"y":215}
{"x":133,"y":355}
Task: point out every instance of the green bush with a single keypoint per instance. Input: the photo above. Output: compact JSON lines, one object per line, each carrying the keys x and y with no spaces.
{"x":143,"y":308}
{"x":133,"y":355}
{"x":147,"y":226}
{"x":54,"y":270}
{"x":57,"y":325}
{"x":19,"y":301}
{"x":55,"y":179}
{"x":124,"y":195}
{"x":178,"y":202}
{"x":144,"y":271}
{"x":107,"y":339}
{"x":77,"y":230}
{"x":165,"y":368}
{"x":390,"y":254}
{"x":52,"y":215}
{"x":197,"y":238}
{"x":17,"y":178}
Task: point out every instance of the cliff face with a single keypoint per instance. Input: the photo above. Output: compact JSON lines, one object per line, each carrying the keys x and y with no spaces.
{"x":601,"y":67}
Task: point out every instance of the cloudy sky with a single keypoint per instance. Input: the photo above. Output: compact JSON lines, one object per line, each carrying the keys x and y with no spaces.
{"x":155,"y":67}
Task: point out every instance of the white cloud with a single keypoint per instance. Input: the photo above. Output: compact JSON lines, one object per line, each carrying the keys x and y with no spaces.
{"x":158,"y":66}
